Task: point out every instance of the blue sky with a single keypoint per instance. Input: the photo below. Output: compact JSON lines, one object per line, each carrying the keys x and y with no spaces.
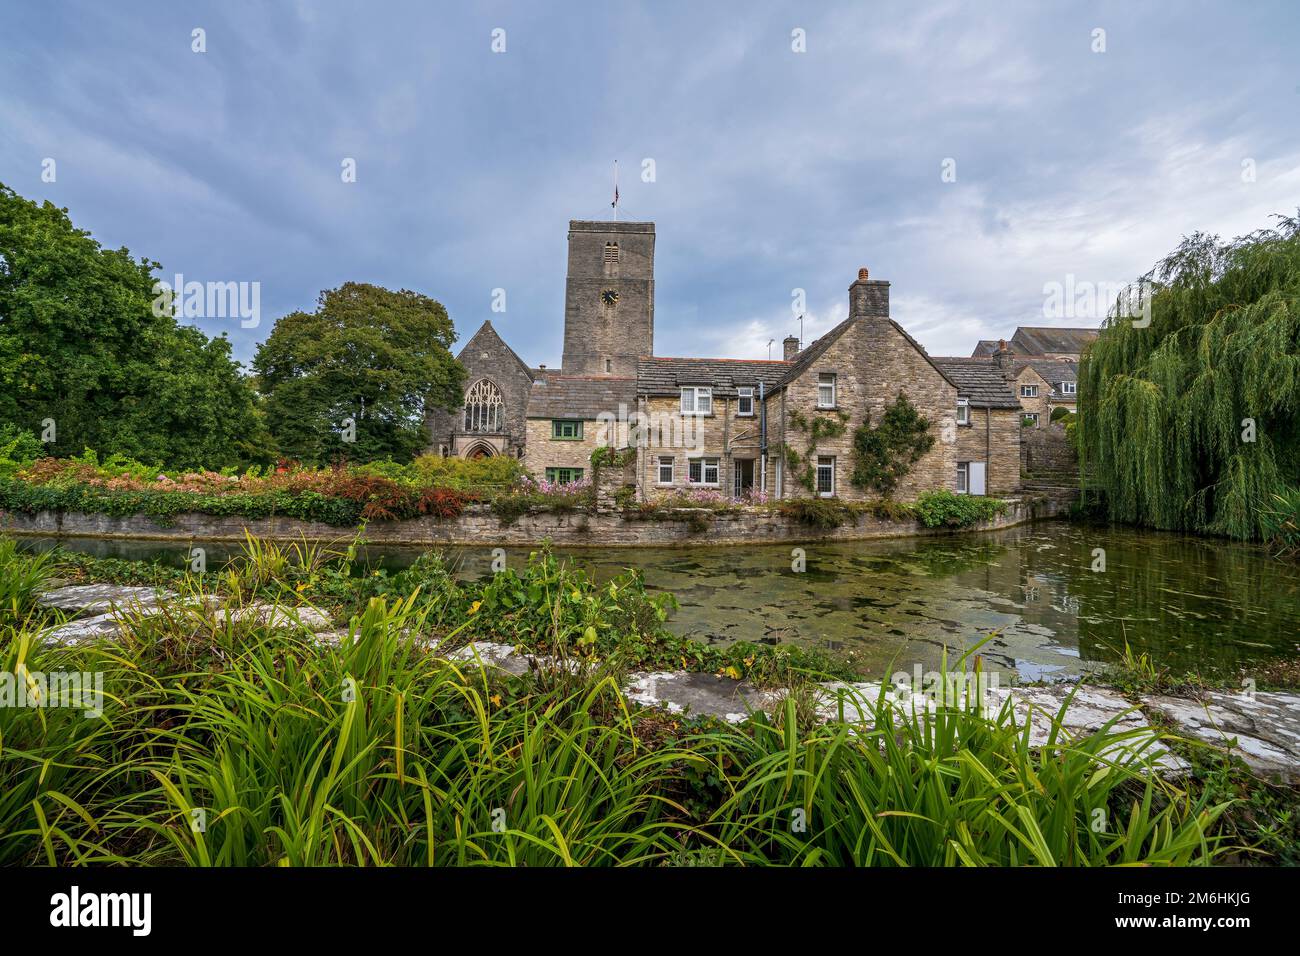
{"x":775,"y":170}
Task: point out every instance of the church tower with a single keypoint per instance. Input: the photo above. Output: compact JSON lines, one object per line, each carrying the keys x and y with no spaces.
{"x":609,"y":297}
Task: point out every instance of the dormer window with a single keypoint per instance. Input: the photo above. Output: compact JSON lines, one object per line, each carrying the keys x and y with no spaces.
{"x":1067,"y":388}
{"x":697,"y":400}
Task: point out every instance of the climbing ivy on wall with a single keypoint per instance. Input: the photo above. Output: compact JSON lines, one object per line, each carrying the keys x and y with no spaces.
{"x":821,"y":426}
{"x":884,"y":454}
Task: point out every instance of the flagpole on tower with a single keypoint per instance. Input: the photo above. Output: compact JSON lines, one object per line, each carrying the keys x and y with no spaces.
{"x":615,"y":202}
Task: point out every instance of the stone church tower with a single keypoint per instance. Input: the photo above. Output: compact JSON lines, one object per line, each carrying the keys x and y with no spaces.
{"x":609,"y":298}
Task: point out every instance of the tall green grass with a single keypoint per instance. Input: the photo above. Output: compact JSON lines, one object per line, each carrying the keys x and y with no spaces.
{"x":225,"y":743}
{"x":22,"y":577}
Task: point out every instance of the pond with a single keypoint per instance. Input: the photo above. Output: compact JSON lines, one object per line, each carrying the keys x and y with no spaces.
{"x":1193,"y":604}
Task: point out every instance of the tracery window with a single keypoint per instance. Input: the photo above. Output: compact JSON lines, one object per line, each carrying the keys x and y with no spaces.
{"x":483,"y":407}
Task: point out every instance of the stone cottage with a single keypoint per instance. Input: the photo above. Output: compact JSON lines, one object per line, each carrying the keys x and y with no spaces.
{"x":744,"y":428}
{"x":1042,"y":364}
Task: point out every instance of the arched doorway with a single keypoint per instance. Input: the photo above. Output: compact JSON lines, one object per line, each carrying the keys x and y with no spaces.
{"x":480,"y":449}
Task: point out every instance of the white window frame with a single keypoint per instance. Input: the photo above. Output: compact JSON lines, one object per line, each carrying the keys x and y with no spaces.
{"x":1033,"y":415}
{"x":963,"y":477}
{"x":1028,"y":391}
{"x":705,"y":466}
{"x":670,"y":463}
{"x":827,"y":380}
{"x":744,"y":395}
{"x":824,"y":461}
{"x":1068,"y":388}
{"x":963,"y":411}
{"x":778,"y":477}
{"x":701,"y":402}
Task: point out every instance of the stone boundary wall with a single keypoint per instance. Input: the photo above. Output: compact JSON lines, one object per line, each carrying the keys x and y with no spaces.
{"x":1046,"y":452}
{"x":478,"y":525}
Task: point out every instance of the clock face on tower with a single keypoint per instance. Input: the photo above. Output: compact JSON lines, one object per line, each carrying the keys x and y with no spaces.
{"x":609,"y":296}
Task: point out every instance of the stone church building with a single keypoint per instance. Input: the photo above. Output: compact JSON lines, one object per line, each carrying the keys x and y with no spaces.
{"x":738,"y":426}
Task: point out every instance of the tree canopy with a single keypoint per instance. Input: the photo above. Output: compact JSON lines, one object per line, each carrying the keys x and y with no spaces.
{"x":369,"y":356}
{"x":80,"y":345}
{"x":1193,"y":422}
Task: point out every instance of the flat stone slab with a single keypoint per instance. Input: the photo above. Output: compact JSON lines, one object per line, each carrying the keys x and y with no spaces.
{"x":681,"y":692}
{"x":1090,"y":710}
{"x":280,"y":616}
{"x":86,"y":629}
{"x":98,"y":598}
{"x":1262,"y":729}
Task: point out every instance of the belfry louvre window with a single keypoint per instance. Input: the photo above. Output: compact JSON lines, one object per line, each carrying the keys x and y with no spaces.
{"x":483,"y":407}
{"x":611,"y":252}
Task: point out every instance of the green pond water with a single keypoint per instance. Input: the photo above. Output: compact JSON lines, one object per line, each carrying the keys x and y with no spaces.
{"x":1193,"y":604}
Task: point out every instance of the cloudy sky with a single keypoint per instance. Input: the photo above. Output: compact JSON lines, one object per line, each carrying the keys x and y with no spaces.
{"x":774,"y":169}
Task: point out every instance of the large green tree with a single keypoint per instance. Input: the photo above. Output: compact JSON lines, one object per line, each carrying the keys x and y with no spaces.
{"x":1193,"y":421}
{"x":81,"y":345}
{"x":367,"y":356}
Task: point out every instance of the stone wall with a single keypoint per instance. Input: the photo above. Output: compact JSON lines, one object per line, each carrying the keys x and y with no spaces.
{"x":595,"y":331}
{"x":486,"y":356}
{"x":544,"y":452}
{"x":722,"y":435}
{"x":479,"y":526}
{"x":1038,"y":404}
{"x":1046,"y":453}
{"x":873,"y":363}
{"x":995,"y":442}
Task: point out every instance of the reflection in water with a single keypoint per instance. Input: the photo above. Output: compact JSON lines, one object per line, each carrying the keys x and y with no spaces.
{"x":1193,"y":604}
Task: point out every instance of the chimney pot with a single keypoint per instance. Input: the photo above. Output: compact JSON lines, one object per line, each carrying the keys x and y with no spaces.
{"x":863,"y":274}
{"x":868,"y":298}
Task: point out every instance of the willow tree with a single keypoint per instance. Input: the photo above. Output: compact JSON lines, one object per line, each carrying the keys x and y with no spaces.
{"x":1192,"y":422}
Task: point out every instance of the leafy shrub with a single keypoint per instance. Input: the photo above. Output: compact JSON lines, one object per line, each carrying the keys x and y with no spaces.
{"x":1059,"y":412}
{"x":821,"y":513}
{"x":18,"y":449}
{"x":946,"y":509}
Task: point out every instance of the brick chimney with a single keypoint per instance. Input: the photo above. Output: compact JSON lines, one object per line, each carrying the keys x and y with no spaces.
{"x":790,"y":348}
{"x":1003,"y":355}
{"x":868,"y":297}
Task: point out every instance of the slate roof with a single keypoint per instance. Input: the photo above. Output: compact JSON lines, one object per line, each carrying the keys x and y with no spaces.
{"x":813,"y":352}
{"x":579,"y":396}
{"x":984,"y":348}
{"x":1039,"y":340}
{"x":1053,"y":371}
{"x":666,"y":376}
{"x":979,"y":380}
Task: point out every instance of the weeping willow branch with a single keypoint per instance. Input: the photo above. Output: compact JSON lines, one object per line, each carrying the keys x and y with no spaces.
{"x":1192,"y":422}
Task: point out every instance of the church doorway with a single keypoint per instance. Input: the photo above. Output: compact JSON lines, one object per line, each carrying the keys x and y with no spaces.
{"x":479,"y":450}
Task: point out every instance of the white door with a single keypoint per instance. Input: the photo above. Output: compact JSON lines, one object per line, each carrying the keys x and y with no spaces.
{"x":977,"y":477}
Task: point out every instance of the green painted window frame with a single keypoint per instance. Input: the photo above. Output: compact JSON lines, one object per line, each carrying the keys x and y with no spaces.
{"x":557,"y":429}
{"x":563,"y":476}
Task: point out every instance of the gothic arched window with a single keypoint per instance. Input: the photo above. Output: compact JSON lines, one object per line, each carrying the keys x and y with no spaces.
{"x":483,"y":407}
